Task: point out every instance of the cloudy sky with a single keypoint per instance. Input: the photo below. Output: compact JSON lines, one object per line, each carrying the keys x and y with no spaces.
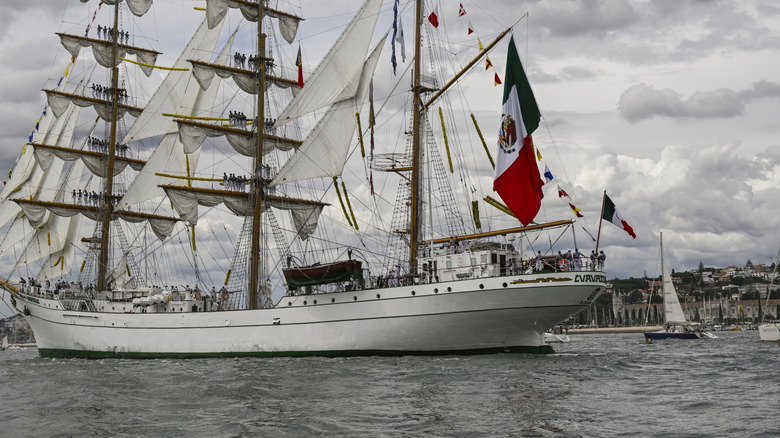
{"x":669,"y":106}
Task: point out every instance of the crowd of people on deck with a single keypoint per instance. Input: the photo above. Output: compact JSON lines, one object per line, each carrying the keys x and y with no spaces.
{"x":92,"y":198}
{"x":105,"y":93}
{"x":569,"y":261}
{"x":107,"y":33}
{"x":98,"y":145}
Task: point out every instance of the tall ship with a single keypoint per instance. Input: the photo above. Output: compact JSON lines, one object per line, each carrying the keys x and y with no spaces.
{"x":222,"y":201}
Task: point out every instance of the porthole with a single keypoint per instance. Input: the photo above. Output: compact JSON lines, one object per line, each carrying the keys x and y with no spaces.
{"x":304,"y":303}
{"x":504,"y":285}
{"x":315,"y":301}
{"x":378,"y":296}
{"x":481,"y":286}
{"x":354,"y":298}
{"x":413,"y":293}
{"x":436,"y":290}
{"x":289,"y":303}
{"x":332,"y":300}
{"x":449,"y":289}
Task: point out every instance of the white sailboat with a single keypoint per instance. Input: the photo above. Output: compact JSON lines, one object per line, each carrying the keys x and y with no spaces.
{"x":676,"y":325}
{"x":405,"y":291}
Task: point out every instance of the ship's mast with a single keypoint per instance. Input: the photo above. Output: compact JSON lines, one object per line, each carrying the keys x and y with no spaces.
{"x":414,"y":222}
{"x":257,"y":184}
{"x":107,"y":206}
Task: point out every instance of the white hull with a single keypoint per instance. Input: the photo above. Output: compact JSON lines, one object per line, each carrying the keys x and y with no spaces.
{"x":508,"y":313}
{"x":769,"y":331}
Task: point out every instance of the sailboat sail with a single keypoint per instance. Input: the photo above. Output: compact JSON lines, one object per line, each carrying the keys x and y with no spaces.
{"x":673,"y":312}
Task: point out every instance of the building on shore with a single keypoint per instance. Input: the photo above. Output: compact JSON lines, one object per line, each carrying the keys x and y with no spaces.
{"x":721,"y":310}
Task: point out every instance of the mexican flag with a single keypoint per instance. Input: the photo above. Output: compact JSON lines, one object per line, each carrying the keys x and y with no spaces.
{"x":612,"y":214}
{"x":517,"y":178}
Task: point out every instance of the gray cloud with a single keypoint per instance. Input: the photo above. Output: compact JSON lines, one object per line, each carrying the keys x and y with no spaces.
{"x":642,"y":101}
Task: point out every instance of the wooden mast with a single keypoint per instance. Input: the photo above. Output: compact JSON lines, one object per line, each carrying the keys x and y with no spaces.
{"x":107,"y":198}
{"x":414,"y":223}
{"x":257,"y":184}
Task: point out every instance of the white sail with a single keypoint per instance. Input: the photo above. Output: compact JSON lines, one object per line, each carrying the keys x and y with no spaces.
{"x":46,"y":240}
{"x":61,"y":263}
{"x":673,"y":312}
{"x":30,"y":188}
{"x":120,"y":276}
{"x":137,"y":7}
{"x":217,"y":9}
{"x":170,"y":156}
{"x":103,"y":51}
{"x":26,"y":164}
{"x":18,"y":231}
{"x":305,"y":214}
{"x":58,"y":102}
{"x":177,"y":93}
{"x":338,"y":75}
{"x":243,"y":141}
{"x":324,"y":152}
{"x":51,"y":236}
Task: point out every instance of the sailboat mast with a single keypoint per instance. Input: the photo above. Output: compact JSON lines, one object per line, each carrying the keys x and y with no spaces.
{"x":257,"y":184}
{"x":107,"y":205}
{"x":414,"y":223}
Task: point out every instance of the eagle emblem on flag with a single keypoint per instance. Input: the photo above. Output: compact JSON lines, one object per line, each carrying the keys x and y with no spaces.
{"x":507,"y":134}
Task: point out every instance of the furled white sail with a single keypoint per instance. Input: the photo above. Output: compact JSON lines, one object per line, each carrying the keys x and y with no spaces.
{"x":161,"y":226}
{"x":246,"y":80}
{"x":338,"y":75}
{"x":58,"y":102}
{"x":177,"y":93}
{"x":95,"y":161}
{"x":186,"y":201}
{"x":217,"y":9}
{"x":103,"y":51}
{"x":137,"y":7}
{"x":242,"y":141}
{"x":324,"y":152}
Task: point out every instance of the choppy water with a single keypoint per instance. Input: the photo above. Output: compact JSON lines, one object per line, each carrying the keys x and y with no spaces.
{"x":595,"y":386}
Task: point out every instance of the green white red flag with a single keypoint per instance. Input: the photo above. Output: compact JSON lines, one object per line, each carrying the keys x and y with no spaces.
{"x":517,"y":178}
{"x":612,"y":214}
